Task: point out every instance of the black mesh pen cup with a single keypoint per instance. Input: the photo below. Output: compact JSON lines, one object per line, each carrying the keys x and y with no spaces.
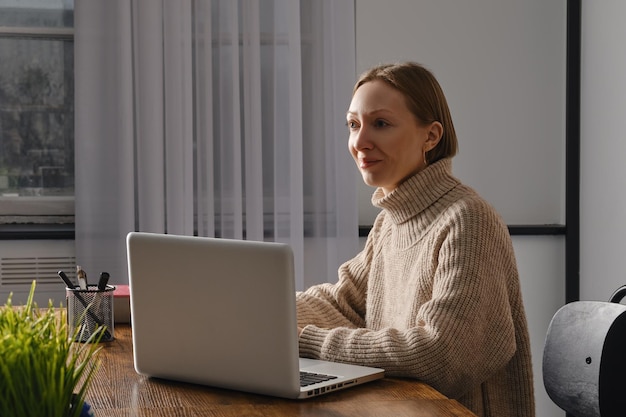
{"x":88,"y":310}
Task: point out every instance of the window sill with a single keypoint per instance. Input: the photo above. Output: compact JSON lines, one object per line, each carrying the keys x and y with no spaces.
{"x":33,"y":231}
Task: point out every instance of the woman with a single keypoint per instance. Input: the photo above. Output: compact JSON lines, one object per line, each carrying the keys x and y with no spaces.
{"x":435,"y":293}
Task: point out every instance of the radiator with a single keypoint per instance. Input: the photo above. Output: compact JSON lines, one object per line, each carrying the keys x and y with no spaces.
{"x":25,"y":261}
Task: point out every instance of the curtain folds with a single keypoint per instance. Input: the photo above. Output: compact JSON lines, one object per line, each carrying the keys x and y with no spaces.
{"x":215,"y":118}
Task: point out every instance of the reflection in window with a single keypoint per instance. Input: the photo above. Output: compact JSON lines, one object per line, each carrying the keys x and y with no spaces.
{"x":36,"y":117}
{"x":36,"y":111}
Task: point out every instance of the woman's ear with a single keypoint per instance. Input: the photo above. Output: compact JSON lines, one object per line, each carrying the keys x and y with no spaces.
{"x":435,"y":133}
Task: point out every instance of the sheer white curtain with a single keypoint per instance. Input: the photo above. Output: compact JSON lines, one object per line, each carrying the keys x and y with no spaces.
{"x":215,"y":118}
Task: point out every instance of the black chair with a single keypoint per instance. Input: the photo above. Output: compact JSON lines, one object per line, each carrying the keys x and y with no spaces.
{"x":584,"y":358}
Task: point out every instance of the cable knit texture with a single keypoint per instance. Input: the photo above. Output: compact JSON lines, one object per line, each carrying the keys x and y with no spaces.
{"x":434,"y":295}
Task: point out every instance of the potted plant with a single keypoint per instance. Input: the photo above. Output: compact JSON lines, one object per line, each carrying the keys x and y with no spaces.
{"x":42,"y":371}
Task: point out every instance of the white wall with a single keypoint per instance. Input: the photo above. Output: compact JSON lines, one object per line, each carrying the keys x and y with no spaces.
{"x":540,"y":261}
{"x":501,"y":64}
{"x":603,"y":148}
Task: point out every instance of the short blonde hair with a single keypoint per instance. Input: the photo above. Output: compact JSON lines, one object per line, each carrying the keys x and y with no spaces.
{"x":424,"y":98}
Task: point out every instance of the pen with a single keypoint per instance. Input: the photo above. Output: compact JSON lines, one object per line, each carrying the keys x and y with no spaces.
{"x":65,"y":279}
{"x":102,"y":282}
{"x":82,"y":278}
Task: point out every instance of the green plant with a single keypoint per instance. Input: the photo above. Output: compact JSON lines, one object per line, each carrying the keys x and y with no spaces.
{"x":42,"y":371}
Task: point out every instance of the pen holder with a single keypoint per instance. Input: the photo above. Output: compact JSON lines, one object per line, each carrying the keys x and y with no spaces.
{"x":89,"y":309}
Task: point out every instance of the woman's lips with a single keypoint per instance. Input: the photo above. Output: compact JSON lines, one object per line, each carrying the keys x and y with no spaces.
{"x":367,"y":163}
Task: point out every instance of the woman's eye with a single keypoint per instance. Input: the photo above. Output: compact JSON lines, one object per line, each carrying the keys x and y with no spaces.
{"x":351,"y":124}
{"x":380,"y":123}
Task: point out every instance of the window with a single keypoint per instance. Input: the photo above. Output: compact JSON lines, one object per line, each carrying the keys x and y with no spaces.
{"x":36,"y":112}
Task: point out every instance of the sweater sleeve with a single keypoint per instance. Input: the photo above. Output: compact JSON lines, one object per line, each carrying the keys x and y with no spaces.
{"x":341,"y":304}
{"x":462,"y":334}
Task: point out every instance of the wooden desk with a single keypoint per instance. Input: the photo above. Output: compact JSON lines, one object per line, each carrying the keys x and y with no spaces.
{"x":118,"y":391}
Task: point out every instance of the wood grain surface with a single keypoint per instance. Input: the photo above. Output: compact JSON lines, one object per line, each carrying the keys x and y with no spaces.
{"x":118,"y":391}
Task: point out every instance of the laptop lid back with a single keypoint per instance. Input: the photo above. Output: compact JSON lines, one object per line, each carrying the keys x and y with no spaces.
{"x":213,"y":311}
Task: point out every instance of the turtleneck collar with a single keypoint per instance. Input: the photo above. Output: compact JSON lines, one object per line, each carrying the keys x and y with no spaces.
{"x":418,"y":192}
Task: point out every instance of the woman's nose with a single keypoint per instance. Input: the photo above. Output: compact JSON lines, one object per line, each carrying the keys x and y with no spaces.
{"x":361,"y":139}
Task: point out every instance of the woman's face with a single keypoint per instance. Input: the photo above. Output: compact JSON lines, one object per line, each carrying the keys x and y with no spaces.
{"x":386,"y":140}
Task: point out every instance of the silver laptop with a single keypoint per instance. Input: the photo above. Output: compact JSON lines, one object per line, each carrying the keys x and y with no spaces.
{"x":222,"y":312}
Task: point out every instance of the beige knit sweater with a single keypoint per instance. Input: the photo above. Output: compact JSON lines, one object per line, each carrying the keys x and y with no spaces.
{"x":434,"y":295}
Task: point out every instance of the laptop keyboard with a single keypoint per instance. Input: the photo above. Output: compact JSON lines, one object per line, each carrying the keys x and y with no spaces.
{"x":310,"y":378}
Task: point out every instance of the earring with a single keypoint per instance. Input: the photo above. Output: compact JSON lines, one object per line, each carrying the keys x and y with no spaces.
{"x":425,"y":159}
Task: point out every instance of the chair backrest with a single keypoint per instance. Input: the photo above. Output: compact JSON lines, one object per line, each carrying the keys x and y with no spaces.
{"x":584,"y":359}
{"x":618,"y":295}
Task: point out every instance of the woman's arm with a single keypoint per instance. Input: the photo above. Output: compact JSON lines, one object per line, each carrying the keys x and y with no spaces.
{"x":342,"y":304}
{"x":337,"y":305}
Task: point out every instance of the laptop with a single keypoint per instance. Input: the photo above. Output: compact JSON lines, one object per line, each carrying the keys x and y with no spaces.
{"x":221,"y":312}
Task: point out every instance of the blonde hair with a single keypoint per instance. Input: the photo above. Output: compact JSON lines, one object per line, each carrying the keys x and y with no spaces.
{"x":424,"y":98}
